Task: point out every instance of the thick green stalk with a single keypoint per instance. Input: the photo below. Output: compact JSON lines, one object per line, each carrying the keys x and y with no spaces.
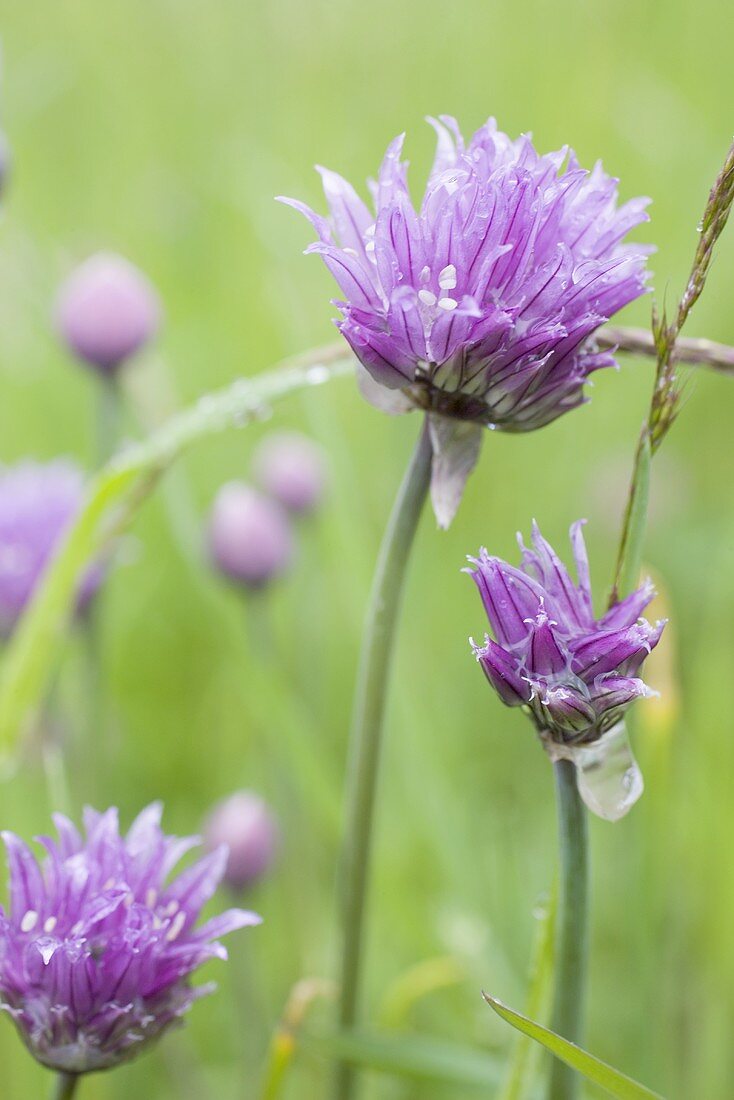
{"x":108,"y":419}
{"x":366,"y":733}
{"x":65,"y":1086}
{"x":571,"y":927}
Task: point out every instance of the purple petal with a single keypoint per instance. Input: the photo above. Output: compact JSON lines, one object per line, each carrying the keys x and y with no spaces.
{"x":510,"y":597}
{"x":503,"y":672}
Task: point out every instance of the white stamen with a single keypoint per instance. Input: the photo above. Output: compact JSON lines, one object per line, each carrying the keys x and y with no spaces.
{"x":427,"y":297}
{"x":178,"y":922}
{"x":171,"y":908}
{"x":350,"y":251}
{"x":128,"y":900}
{"x":447,"y":303}
{"x":370,"y":246}
{"x":49,"y":924}
{"x":29,"y":922}
{"x":425,"y":274}
{"x":151,"y":898}
{"x":447,"y":277}
{"x":109,"y":884}
{"x":369,"y":231}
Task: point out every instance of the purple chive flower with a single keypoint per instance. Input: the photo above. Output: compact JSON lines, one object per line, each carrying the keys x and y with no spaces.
{"x":106,"y":311}
{"x":250,"y":538}
{"x":482,"y":304}
{"x":576,"y":674}
{"x":291,"y":467}
{"x":37,"y":504}
{"x":99,"y":944}
{"x":244,"y":823}
{"x":5,"y":162}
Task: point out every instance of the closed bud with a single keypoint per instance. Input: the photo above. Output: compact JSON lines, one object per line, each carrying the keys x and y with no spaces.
{"x":106,"y":311}
{"x":244,"y":823}
{"x":291,"y":467}
{"x":250,"y":538}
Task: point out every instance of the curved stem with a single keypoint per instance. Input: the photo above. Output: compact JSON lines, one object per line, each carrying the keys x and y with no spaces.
{"x":65,"y":1087}
{"x":366,"y":732}
{"x":571,"y":928}
{"x":692,"y":351}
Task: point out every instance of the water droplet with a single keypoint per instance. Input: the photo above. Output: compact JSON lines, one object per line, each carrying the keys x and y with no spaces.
{"x":316,"y":376}
{"x":241,"y":418}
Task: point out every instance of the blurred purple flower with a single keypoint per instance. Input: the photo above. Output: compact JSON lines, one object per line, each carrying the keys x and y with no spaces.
{"x":291,"y":467}
{"x":250,"y":538}
{"x":98,"y":947}
{"x":106,"y":311}
{"x":577,"y":674}
{"x":244,"y":823}
{"x":5,"y":162}
{"x":481,"y":305}
{"x":37,"y":504}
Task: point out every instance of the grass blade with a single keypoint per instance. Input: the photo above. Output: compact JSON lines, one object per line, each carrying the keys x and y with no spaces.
{"x":113,"y":498}
{"x":413,"y":1056}
{"x":521,"y":1067}
{"x":615,"y":1082}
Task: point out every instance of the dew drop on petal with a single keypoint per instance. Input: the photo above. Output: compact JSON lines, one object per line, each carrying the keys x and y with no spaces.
{"x":29,"y":921}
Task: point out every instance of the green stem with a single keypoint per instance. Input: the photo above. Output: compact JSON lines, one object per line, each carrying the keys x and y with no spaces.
{"x":108,"y":419}
{"x":571,"y":927}
{"x":366,"y":732}
{"x":65,"y":1087}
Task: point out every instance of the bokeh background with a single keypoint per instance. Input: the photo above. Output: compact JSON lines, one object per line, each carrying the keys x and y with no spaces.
{"x":163,"y":129}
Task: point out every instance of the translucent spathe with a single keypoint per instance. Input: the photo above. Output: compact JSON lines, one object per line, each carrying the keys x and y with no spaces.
{"x":608,"y":777}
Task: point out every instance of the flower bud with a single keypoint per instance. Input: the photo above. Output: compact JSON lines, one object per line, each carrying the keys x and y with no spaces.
{"x":290,"y":467}
{"x":250,"y":538}
{"x":106,"y":311}
{"x":246,"y":826}
{"x":576,"y":674}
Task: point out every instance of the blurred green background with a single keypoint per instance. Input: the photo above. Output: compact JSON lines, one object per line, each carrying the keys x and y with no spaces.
{"x":163,"y":130}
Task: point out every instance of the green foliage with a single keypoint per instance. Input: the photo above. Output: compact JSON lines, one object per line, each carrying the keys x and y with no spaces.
{"x":615,"y":1083}
{"x":415,"y":1056}
{"x":113,"y":499}
{"x":163,"y":129}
